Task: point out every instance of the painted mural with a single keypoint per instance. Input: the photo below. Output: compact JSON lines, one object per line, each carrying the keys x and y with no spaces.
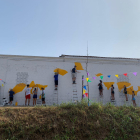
{"x":61,"y":71}
{"x":20,"y":87}
{"x":129,"y":87}
{"x":37,"y":85}
{"x":99,"y":74}
{"x":108,"y":84}
{"x":123,"y":79}
{"x":78,"y":66}
{"x":121,"y":87}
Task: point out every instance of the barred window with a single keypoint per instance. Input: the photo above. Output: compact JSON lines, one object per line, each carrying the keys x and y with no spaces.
{"x":22,"y":77}
{"x":123,"y":78}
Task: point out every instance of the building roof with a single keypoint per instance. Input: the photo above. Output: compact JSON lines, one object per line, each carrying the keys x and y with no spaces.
{"x":74,"y":58}
{"x":66,"y":56}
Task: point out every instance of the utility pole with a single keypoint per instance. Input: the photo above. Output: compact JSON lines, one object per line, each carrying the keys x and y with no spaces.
{"x":87,"y":72}
{"x":82,"y":85}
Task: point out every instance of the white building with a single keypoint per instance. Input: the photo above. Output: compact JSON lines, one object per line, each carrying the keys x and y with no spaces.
{"x":17,"y":71}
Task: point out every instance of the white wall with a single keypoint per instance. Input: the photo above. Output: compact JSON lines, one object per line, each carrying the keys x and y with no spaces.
{"x":40,"y":70}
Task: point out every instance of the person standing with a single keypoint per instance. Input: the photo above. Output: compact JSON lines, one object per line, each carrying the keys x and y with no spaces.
{"x":74,"y":75}
{"x":27,"y":94}
{"x":35,"y":95}
{"x":56,"y":80}
{"x":100,"y":88}
{"x":43,"y":96}
{"x":11,"y":95}
{"x":125,"y":92}
{"x":133,"y":99}
{"x":112,"y":93}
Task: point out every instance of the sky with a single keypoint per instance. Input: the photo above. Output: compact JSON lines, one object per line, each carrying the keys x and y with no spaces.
{"x":56,"y":27}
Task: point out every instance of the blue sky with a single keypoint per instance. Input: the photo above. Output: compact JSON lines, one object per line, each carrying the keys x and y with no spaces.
{"x":55,"y":27}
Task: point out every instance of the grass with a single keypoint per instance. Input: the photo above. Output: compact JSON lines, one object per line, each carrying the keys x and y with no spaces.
{"x":70,"y":122}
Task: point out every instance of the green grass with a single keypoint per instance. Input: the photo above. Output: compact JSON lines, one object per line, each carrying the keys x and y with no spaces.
{"x":70,"y":122}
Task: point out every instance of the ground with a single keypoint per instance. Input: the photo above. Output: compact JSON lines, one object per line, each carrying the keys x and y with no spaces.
{"x":70,"y":122}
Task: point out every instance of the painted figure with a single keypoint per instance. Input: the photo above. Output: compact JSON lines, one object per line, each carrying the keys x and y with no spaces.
{"x":133,"y":99}
{"x":35,"y":95}
{"x":125,"y":92}
{"x":43,"y":96}
{"x":11,"y":95}
{"x":100,"y":88}
{"x":74,"y":75}
{"x":56,"y":79}
{"x":112,"y":93}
